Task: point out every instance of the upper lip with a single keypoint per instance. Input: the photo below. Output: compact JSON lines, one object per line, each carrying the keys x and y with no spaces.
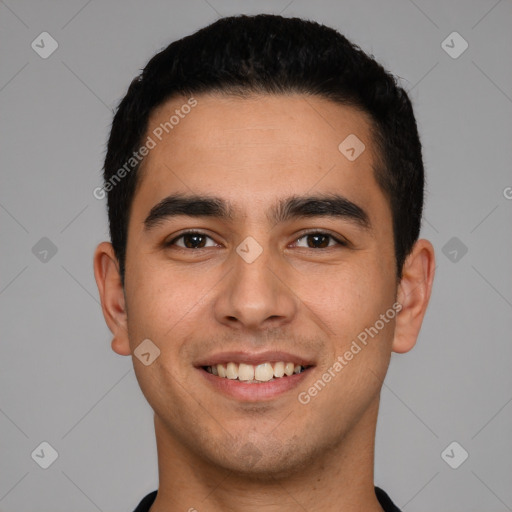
{"x":254,"y":358}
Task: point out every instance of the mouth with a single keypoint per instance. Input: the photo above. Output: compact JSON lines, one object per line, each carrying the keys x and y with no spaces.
{"x":255,"y":374}
{"x":254,"y":377}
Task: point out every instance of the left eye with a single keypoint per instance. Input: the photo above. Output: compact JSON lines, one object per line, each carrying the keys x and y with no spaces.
{"x":193,"y":241}
{"x":317,"y":241}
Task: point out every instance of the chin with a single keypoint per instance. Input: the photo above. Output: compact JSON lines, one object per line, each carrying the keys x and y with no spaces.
{"x":265,"y":461}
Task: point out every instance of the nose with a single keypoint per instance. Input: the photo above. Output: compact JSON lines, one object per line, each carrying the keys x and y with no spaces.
{"x":255,"y":296}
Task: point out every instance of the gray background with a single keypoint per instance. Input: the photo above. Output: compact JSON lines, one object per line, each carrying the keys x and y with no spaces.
{"x":61,"y":383}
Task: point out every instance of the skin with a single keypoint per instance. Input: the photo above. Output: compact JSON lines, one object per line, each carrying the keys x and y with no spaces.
{"x":305,"y":300}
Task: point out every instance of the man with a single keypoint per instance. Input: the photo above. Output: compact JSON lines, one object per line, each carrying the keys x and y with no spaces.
{"x":265,"y":191}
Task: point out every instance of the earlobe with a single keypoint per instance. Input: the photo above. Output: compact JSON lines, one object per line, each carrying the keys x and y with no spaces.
{"x":413,"y":294}
{"x":110,"y":288}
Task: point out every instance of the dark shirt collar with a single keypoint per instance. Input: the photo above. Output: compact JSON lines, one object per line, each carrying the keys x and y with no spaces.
{"x":384,"y":500}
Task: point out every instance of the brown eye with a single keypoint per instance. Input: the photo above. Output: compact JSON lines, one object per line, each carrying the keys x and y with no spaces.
{"x":192,"y":240}
{"x":317,"y":241}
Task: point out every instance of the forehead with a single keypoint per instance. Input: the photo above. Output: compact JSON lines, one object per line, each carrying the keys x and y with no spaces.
{"x":253,"y":150}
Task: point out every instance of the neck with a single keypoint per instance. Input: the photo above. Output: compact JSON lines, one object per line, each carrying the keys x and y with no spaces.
{"x":340,"y":479}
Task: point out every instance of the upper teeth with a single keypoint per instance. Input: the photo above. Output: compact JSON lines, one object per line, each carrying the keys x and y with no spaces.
{"x":248,"y":372}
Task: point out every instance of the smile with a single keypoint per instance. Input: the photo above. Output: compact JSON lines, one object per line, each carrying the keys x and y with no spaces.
{"x":255,"y":374}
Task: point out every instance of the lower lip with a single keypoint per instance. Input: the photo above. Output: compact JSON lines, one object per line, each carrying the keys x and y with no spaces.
{"x":256,"y":392}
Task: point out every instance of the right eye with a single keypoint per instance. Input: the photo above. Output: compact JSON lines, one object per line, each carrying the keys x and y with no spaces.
{"x":192,"y":240}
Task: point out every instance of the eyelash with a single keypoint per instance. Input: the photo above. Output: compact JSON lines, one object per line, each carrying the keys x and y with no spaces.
{"x":338,"y":241}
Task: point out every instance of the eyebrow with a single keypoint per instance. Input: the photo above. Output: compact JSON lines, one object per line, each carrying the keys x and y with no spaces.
{"x":190,"y":205}
{"x":331,"y":205}
{"x":294,"y":207}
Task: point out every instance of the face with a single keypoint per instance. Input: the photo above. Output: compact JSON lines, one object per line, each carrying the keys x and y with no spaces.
{"x":256,"y":244}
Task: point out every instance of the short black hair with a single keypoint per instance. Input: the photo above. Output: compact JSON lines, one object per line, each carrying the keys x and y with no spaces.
{"x":244,"y":55}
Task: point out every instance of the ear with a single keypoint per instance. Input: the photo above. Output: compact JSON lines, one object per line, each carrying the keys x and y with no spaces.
{"x":108,"y":280}
{"x":413,"y":294}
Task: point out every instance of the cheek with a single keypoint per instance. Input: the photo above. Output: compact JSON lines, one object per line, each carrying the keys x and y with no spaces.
{"x":165,"y":303}
{"x":163,"y":307}
{"x":346,"y":300}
